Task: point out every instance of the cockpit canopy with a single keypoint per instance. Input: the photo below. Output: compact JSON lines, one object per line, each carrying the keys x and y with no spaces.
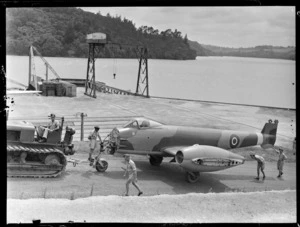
{"x":141,"y":123}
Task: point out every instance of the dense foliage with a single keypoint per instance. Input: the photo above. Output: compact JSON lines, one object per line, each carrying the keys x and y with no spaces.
{"x":61,"y":32}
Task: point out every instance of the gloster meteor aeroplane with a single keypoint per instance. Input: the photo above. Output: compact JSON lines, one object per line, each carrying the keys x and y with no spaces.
{"x":195,"y":149}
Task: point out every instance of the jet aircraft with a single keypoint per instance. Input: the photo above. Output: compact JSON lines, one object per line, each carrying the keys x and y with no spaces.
{"x":195,"y":149}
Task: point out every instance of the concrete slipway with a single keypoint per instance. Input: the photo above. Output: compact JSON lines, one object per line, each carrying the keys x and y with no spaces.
{"x":207,"y":201}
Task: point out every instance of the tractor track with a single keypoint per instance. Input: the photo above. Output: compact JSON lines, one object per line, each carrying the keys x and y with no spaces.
{"x":40,"y":161}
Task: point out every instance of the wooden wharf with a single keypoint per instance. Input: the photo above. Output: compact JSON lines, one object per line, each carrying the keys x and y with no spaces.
{"x":100,"y":86}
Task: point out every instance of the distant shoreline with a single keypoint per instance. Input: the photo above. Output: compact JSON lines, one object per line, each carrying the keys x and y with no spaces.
{"x":246,"y":57}
{"x":262,"y":51}
{"x":162,"y":58}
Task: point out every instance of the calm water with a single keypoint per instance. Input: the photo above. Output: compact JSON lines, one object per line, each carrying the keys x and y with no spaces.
{"x":252,"y":81}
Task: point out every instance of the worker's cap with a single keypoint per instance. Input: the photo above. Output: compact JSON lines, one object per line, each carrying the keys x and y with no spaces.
{"x":51,"y":115}
{"x":96,"y":127}
{"x":126,"y":156}
{"x":280,"y":149}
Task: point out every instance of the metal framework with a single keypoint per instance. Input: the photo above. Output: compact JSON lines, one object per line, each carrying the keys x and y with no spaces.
{"x":90,"y":83}
{"x":142,"y":85}
{"x":32,"y":78}
{"x":142,"y":88}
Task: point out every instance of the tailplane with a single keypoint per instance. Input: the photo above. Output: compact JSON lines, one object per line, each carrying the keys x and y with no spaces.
{"x":269,"y":132}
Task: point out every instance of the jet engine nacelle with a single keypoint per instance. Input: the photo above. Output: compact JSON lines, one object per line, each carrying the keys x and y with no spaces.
{"x":200,"y":158}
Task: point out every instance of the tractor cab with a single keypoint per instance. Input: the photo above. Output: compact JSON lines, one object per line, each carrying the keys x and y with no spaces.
{"x":26,"y":132}
{"x":55,"y":137}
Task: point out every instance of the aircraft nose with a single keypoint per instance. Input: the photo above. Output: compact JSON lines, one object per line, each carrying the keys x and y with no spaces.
{"x":126,"y":133}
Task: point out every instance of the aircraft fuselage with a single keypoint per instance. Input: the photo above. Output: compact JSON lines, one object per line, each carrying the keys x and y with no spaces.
{"x":157,"y":138}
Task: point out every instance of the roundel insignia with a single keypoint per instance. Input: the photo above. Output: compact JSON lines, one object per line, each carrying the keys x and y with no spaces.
{"x":234,"y":141}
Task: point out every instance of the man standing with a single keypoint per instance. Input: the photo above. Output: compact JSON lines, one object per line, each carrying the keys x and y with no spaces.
{"x":132,"y":174}
{"x":260,"y":165}
{"x":280,"y":161}
{"x":93,"y":139}
{"x":52,"y":126}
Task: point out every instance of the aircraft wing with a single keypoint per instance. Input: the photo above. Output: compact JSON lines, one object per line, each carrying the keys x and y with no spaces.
{"x":171,"y":151}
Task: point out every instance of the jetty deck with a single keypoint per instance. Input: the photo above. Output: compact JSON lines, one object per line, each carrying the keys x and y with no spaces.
{"x":100,"y":86}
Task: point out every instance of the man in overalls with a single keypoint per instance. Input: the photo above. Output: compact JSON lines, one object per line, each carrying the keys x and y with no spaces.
{"x":93,"y":141}
{"x":280,"y":161}
{"x":52,"y":126}
{"x":260,"y":165}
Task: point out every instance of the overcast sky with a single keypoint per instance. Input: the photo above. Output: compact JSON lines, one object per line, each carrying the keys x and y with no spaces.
{"x":220,"y":26}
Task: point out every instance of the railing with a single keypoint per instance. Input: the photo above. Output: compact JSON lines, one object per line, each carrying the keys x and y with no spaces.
{"x":101,"y":87}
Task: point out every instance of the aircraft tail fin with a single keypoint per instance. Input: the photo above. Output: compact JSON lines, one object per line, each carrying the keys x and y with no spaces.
{"x":269,"y":132}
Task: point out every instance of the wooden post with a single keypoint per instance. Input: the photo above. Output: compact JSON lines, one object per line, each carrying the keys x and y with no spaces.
{"x":30,"y":56}
{"x":82,"y":119}
{"x":46,"y":71}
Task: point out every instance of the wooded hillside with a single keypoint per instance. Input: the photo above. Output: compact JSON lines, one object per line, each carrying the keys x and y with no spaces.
{"x":264,"y":51}
{"x":61,"y":32}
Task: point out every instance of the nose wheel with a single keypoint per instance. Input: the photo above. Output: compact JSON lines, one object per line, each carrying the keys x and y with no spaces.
{"x":101,"y":168}
{"x":192,"y":177}
{"x":111,"y":149}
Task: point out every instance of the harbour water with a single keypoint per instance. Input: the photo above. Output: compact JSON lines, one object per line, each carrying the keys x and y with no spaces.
{"x":249,"y":81}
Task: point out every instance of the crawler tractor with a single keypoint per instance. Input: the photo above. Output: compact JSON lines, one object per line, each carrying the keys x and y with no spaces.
{"x":26,"y":157}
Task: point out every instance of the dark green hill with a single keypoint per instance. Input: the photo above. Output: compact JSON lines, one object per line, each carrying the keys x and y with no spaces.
{"x":61,"y":32}
{"x":200,"y":50}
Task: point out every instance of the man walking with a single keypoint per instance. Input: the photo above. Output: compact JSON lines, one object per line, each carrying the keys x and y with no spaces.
{"x":132,"y":174}
{"x":280,"y":161}
{"x":260,"y":165}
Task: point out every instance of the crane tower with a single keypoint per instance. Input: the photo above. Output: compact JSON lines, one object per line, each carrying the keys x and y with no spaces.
{"x":97,"y":42}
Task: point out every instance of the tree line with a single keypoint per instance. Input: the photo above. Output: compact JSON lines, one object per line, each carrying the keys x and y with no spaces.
{"x":262,"y":51}
{"x":61,"y":32}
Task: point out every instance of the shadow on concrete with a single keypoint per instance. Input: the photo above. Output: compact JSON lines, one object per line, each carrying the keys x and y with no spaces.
{"x":173,"y":175}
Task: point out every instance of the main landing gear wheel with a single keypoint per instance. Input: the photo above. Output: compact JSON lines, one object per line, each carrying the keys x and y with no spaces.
{"x":52,"y":159}
{"x":155,"y":160}
{"x":102,"y":168}
{"x":192,"y":177}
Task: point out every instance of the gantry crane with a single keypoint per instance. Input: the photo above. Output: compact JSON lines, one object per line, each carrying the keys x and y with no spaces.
{"x":97,"y":43}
